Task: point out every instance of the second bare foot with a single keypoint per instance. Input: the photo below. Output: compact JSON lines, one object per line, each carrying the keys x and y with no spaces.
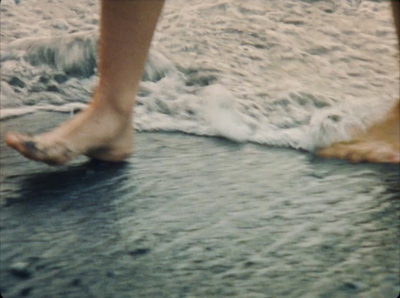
{"x":379,"y":145}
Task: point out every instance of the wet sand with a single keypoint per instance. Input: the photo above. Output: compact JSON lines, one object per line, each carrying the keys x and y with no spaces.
{"x":197,"y":217}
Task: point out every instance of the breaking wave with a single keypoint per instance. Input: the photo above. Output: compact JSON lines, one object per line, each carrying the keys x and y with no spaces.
{"x":274,"y":98}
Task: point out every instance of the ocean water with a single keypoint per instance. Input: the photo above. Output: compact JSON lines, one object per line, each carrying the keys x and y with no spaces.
{"x":293,"y":73}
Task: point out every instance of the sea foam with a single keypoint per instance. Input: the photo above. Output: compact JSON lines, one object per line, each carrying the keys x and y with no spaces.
{"x":258,"y":74}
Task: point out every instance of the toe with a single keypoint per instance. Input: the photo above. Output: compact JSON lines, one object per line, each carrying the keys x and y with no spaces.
{"x":13,"y":140}
{"x":34,"y":148}
{"x":355,"y":157}
{"x":395,"y":158}
{"x":21,"y":143}
{"x":335,"y":151}
{"x":326,"y":152}
{"x":382,"y":155}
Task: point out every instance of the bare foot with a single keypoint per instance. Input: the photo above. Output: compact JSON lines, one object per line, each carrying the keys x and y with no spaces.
{"x":379,"y":145}
{"x":99,"y":132}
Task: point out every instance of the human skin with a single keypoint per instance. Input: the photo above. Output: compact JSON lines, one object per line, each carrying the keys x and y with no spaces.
{"x":104,"y":130}
{"x":380,"y":143}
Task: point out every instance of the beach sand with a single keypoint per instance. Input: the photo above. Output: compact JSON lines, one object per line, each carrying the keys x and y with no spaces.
{"x":190,"y":216}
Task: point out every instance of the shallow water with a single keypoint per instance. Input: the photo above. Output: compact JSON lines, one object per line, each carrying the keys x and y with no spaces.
{"x":197,"y":217}
{"x":205,"y":217}
{"x":300,"y":74}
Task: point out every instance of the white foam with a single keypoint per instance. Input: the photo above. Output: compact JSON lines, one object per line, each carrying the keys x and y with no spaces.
{"x":260,"y":73}
{"x":72,"y":54}
{"x":8,"y":113}
{"x":222,"y":117}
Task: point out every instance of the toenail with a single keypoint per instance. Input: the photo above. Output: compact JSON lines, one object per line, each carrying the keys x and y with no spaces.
{"x":395,"y":158}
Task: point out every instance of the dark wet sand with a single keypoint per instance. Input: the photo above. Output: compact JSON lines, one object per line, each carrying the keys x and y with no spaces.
{"x":197,"y":217}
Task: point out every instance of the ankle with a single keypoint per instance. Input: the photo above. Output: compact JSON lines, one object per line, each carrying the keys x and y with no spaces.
{"x":106,"y":108}
{"x":122,"y":105}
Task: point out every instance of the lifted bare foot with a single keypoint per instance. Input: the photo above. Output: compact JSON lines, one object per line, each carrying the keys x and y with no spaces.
{"x":104,"y":130}
{"x":379,"y":145}
{"x":98,"y":132}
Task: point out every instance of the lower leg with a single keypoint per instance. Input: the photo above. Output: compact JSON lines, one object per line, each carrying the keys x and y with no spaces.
{"x":126,"y":31}
{"x":103,"y":130}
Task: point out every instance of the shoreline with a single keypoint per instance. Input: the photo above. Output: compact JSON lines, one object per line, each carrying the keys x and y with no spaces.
{"x":189,"y":216}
